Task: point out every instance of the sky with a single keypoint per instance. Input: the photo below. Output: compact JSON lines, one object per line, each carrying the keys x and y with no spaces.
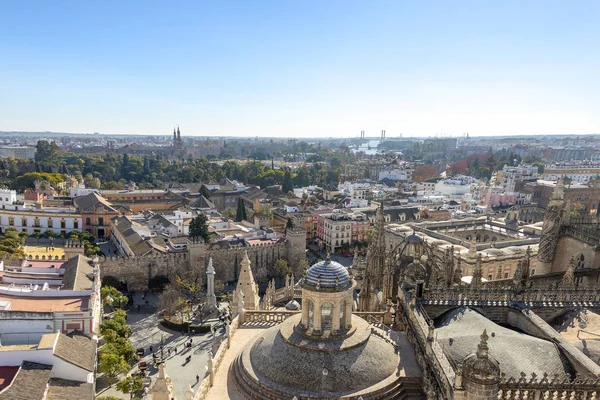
{"x":301,"y":68}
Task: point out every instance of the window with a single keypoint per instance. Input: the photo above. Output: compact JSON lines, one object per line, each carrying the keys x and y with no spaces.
{"x":50,"y":223}
{"x":63,"y":224}
{"x":326,"y":314}
{"x":36,"y":222}
{"x":76,"y":224}
{"x":581,"y":262}
{"x":101,"y":221}
{"x":506,"y":275}
{"x":87,"y":221}
{"x":11,"y":221}
{"x":489,"y":277}
{"x":23,"y":221}
{"x":343,"y":314}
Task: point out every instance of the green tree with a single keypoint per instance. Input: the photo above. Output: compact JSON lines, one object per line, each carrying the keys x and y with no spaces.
{"x":288,"y":184}
{"x":47,"y":154}
{"x":280,"y":269}
{"x":199,"y":226}
{"x":241,"y":214}
{"x":130,"y":385}
{"x":120,"y":346}
{"x":112,"y":365}
{"x":289,"y":224}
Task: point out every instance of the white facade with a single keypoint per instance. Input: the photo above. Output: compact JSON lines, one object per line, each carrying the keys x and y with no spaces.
{"x":578,"y":173}
{"x":39,"y":220}
{"x":8,"y":196}
{"x":395,"y":174}
{"x":512,"y":175}
{"x":81,"y":190}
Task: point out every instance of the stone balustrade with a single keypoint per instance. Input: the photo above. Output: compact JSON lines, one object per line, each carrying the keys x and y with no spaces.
{"x":548,"y":388}
{"x":371,"y":316}
{"x":208,"y":381}
{"x":549,"y":297}
{"x":267,"y":316}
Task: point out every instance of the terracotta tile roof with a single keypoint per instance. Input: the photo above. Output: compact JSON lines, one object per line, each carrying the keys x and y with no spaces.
{"x":89,"y":202}
{"x":46,"y":304}
{"x":29,"y":383}
{"x":77,"y":349}
{"x":78,"y":274}
{"x":62,"y":389}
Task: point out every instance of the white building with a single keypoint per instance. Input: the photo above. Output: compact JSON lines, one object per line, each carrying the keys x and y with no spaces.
{"x":395,"y":174}
{"x":578,"y":173}
{"x":8,"y":196}
{"x":28,"y":219}
{"x":512,"y":175}
{"x":81,"y":190}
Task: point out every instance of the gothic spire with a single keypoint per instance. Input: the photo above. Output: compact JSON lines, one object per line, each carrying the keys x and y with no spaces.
{"x":477,"y":274}
{"x":568,"y":280}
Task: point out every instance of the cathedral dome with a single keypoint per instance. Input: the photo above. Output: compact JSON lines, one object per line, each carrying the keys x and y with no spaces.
{"x":413,"y":239}
{"x":327,"y":275}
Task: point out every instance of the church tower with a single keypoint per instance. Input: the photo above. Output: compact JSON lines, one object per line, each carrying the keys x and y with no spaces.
{"x":377,"y":277}
{"x":554,"y":217}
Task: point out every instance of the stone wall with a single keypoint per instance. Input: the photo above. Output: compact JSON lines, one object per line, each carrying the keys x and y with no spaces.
{"x":570,"y":247}
{"x":137,"y":271}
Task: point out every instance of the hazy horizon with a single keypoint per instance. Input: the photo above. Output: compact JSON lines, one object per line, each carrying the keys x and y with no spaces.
{"x":301,"y":69}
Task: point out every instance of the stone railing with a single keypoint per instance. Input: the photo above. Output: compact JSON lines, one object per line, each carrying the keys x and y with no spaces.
{"x":551,"y":388}
{"x":496,"y":297}
{"x":214,"y":363}
{"x":267,"y":316}
{"x":429,"y":353}
{"x":370,"y":316}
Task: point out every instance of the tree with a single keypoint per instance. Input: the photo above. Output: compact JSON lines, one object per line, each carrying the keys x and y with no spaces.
{"x":199,"y":226}
{"x":47,"y":154}
{"x":130,"y":385}
{"x":112,"y":365}
{"x":287,"y":185}
{"x":120,"y":346}
{"x":112,"y":296}
{"x":240,"y":214}
{"x":289,"y":224}
{"x":172,"y":302}
{"x":280,"y":269}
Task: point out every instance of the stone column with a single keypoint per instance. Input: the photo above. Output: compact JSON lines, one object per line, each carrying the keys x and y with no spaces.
{"x":335,"y":315}
{"x":349,"y":313}
{"x":317,"y":315}
{"x":305,"y":312}
{"x":211,"y":300}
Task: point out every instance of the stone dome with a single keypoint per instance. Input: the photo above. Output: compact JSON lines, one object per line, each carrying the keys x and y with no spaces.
{"x":327,"y":275}
{"x":292,"y":305}
{"x":284,"y":360}
{"x":480,"y":369}
{"x":413,"y":239}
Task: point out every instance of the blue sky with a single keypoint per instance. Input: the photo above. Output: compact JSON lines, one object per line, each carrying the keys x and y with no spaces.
{"x":301,"y":68}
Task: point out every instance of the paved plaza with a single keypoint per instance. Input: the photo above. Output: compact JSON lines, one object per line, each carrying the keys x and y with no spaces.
{"x":147,"y":332}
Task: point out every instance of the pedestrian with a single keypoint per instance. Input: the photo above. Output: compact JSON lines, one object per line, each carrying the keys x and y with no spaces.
{"x":151,"y":349}
{"x":175,"y":350}
{"x":197,"y":377}
{"x":169,"y":352}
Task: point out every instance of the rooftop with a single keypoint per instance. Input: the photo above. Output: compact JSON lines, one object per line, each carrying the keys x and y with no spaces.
{"x":45,"y":304}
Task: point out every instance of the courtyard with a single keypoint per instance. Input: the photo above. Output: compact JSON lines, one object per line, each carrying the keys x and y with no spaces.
{"x":147,"y":331}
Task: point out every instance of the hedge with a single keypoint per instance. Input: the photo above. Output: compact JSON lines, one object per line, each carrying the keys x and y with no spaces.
{"x":185,"y":326}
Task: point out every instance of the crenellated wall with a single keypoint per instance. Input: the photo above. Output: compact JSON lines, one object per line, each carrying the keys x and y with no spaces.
{"x":137,"y":271}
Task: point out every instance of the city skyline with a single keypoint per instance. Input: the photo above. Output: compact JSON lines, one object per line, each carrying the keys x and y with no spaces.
{"x":302,"y":70}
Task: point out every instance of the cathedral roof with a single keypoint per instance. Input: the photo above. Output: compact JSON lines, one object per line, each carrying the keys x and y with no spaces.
{"x":327,"y":275}
{"x":458,"y":332}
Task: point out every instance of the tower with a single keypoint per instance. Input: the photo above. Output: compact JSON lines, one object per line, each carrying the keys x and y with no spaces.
{"x":246,"y":286}
{"x":377,"y":277}
{"x":481,"y":374}
{"x":211,"y":299}
{"x":553,"y":220}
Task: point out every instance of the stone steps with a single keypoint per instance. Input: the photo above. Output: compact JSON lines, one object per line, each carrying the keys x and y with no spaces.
{"x":251,"y":389}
